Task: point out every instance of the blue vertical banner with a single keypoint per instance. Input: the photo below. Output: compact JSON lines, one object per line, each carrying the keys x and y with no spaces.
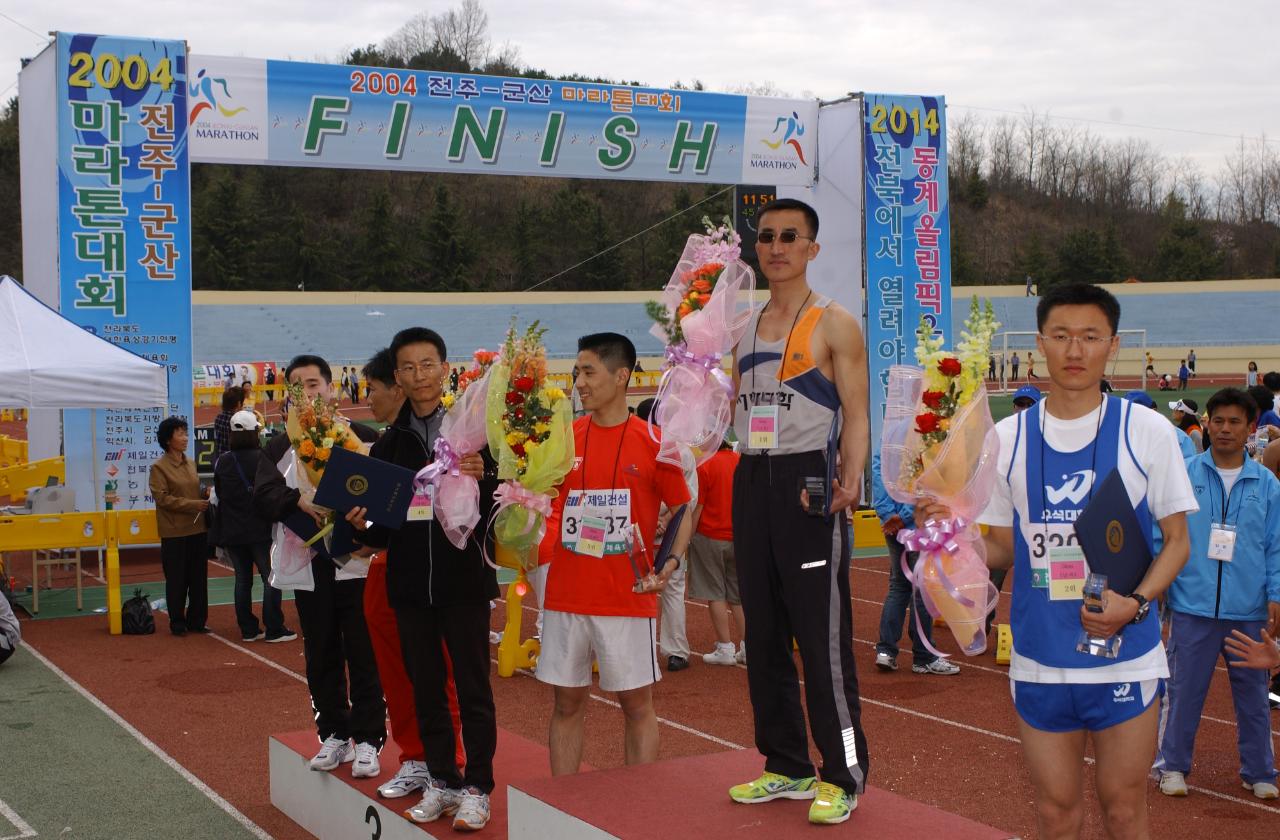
{"x":908,"y":232}
{"x":124,"y":243}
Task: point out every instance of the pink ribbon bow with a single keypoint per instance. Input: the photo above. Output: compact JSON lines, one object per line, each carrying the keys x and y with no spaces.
{"x":446,"y":461}
{"x":514,"y":493}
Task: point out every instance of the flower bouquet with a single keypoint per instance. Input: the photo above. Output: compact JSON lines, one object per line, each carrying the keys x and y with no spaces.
{"x":531,"y":436}
{"x":700,"y":320}
{"x":455,"y":497}
{"x":939,"y":444}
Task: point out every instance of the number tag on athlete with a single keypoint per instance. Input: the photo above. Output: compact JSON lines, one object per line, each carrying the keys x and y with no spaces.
{"x":596,"y":522}
{"x":422,"y":508}
{"x":1041,"y":540}
{"x":1067,"y":573}
{"x":764,"y":427}
{"x":1222,"y":542}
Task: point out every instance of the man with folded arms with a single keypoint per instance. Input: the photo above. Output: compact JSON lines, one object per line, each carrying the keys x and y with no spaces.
{"x":1230,"y":583}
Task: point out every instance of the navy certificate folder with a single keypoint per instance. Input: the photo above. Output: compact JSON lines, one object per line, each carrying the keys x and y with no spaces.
{"x":668,"y":539}
{"x":1113,"y":541}
{"x":351,"y":479}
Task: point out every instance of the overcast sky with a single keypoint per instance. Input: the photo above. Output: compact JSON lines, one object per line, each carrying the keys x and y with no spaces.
{"x":1210,"y":70}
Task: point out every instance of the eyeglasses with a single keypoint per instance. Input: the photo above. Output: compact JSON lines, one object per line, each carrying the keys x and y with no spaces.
{"x":411,"y":371}
{"x":1086,"y":342}
{"x":786,"y":237}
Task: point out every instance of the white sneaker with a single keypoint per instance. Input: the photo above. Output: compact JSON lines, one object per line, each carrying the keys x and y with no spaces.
{"x":1263,"y":790}
{"x":1175,"y":784}
{"x":333,"y":751}
{"x":885,"y":662}
{"x":366,"y":762}
{"x":943,"y":667}
{"x":720,"y":656}
{"x":741,"y":656}
{"x":473,"y":810}
{"x":438,"y":801}
{"x":412,"y":777}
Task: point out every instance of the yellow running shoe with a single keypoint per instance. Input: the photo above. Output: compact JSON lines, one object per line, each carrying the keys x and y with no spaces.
{"x":773,"y":786}
{"x":832,"y":805}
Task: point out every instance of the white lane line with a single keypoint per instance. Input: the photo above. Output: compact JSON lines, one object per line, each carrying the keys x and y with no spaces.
{"x":24,"y":830}
{"x":264,"y":660}
{"x":231,"y":810}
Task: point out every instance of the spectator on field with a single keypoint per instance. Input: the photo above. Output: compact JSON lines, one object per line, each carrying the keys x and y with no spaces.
{"x":1251,"y":375}
{"x":1151,"y":364}
{"x":232,"y":401}
{"x":180,"y":520}
{"x":10,"y":632}
{"x":991,"y":366}
{"x":1184,"y":373}
{"x":1031,"y":367}
{"x":1267,"y":416}
{"x":246,"y":536}
{"x":1014,"y":362}
{"x":1186,"y":416}
{"x":270,"y":380}
{"x":1191,"y":362}
{"x":713,"y":571}
{"x":1231,"y":582}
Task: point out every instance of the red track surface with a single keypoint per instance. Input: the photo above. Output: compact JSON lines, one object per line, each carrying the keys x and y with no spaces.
{"x":946,"y":741}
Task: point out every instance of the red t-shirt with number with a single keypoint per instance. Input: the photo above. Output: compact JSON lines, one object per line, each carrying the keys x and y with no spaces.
{"x":610,"y":457}
{"x":715,"y":494}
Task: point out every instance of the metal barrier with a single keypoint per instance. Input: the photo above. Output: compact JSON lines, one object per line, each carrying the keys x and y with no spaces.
{"x":15,"y":480}
{"x":13,"y":451}
{"x":98,"y":529}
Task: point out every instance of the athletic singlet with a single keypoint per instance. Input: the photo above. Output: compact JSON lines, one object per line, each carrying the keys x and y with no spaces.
{"x":1049,"y":490}
{"x":807,"y":400}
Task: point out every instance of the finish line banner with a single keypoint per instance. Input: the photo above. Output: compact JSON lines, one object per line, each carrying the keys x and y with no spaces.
{"x":124,"y":243}
{"x":299,"y":114}
{"x":908,"y":232}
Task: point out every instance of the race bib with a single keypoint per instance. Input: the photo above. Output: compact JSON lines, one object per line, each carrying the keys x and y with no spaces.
{"x":596,"y":522}
{"x":1222,"y":542}
{"x":763,"y":427}
{"x":422,"y":508}
{"x":1041,"y":540}
{"x":1067,"y":573}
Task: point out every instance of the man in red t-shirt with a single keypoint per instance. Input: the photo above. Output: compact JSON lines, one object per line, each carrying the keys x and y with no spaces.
{"x":713,"y":573}
{"x":613,"y":491}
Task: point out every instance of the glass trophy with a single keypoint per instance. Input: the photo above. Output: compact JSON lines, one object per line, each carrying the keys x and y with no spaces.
{"x":1108,"y":647}
{"x":641,"y":565}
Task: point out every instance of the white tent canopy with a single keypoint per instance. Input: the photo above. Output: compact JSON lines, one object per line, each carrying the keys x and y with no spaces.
{"x":47,"y":361}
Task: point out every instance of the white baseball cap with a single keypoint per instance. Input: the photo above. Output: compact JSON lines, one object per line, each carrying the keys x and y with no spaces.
{"x":244,"y":421}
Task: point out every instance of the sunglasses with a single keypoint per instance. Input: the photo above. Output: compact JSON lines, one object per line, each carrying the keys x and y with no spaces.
{"x":786,"y":237}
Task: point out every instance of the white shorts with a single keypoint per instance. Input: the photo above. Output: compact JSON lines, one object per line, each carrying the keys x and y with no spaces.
{"x":623,"y":645}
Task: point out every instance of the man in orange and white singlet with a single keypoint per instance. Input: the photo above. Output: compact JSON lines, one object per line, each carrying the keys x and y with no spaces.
{"x":800,"y":365}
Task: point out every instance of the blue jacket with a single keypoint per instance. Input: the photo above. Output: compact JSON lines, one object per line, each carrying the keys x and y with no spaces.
{"x":1240,"y":589}
{"x":884,"y":504}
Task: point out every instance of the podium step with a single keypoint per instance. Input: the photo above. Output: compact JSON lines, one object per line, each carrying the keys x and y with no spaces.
{"x":688,"y":797}
{"x":334,"y":806}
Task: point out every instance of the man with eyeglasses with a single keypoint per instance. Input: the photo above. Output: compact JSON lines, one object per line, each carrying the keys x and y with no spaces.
{"x":800,"y":364}
{"x":440,"y":594}
{"x":1051,"y":457}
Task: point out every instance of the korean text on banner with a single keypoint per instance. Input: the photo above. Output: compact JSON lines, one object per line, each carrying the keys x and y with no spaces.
{"x":124,"y":241}
{"x":298,"y":114}
{"x":908,"y":251}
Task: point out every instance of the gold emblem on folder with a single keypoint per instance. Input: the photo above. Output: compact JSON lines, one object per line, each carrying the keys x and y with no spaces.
{"x":1115,"y":536}
{"x":357,"y":485}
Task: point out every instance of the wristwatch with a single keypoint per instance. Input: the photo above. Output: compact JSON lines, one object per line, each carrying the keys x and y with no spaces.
{"x":1144,"y":607}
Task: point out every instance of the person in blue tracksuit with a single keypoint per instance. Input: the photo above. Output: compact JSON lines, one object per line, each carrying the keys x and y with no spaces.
{"x":1051,"y":457}
{"x":1231,"y":582}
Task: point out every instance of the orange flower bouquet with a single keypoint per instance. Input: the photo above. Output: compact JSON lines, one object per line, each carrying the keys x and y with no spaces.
{"x":315,"y":429}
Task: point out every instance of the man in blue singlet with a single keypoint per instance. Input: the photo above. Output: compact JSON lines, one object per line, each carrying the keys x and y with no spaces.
{"x":799,"y":366}
{"x":1051,"y":457}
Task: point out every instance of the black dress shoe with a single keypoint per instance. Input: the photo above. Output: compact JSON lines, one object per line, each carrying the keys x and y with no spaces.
{"x":677,"y":663}
{"x":199,"y":630}
{"x":178,"y":631}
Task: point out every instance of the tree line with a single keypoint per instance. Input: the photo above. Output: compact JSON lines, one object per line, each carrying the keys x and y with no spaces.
{"x":1029,"y":196}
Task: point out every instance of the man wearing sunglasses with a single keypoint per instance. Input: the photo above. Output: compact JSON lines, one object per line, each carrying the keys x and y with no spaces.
{"x":800,"y":364}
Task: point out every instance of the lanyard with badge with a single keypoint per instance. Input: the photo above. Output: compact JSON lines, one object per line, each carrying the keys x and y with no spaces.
{"x":1222,"y":537}
{"x":1057,"y":561}
{"x":763,"y":420}
{"x":597,"y":522}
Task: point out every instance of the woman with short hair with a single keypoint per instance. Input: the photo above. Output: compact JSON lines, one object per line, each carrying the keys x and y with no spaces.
{"x":180,"y":519}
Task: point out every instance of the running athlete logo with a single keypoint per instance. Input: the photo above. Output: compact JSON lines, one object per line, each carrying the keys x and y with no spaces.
{"x":203,"y":87}
{"x":1121,"y":694}
{"x":1074,"y":488}
{"x":794,"y":131}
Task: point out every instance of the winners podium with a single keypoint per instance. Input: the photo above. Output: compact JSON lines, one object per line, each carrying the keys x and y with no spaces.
{"x":683,"y":797}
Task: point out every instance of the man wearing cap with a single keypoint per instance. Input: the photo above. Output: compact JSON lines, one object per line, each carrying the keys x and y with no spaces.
{"x":1186,"y":416}
{"x":1025,"y":397}
{"x":243,"y":533}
